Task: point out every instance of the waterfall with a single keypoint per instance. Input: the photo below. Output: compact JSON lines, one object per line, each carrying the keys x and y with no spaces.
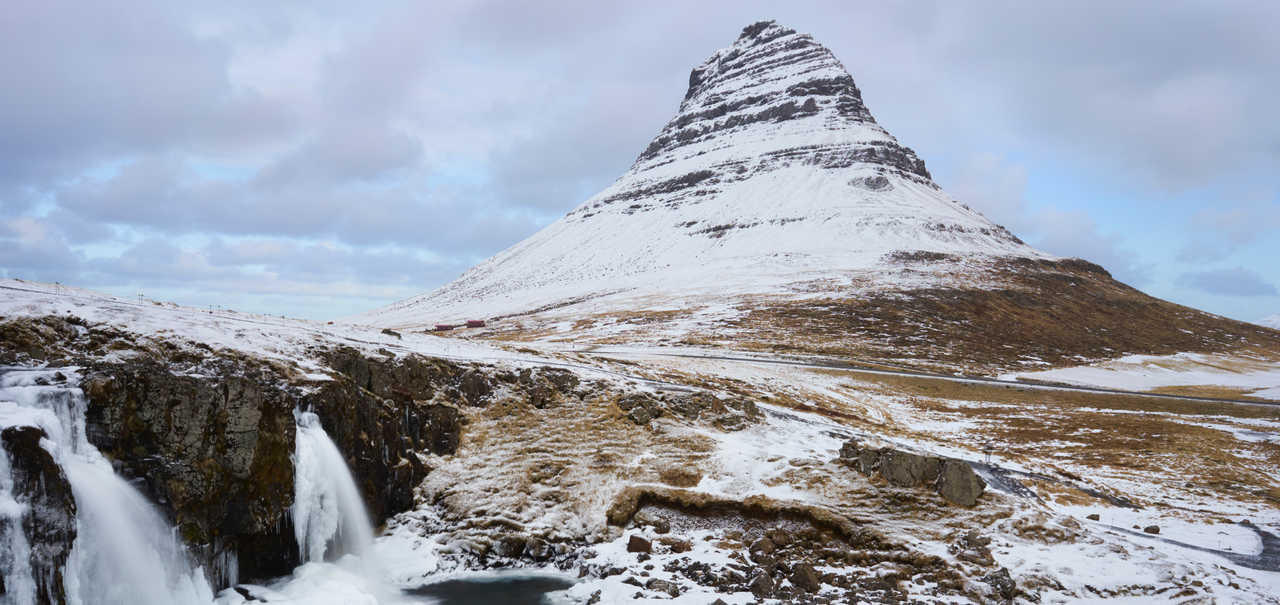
{"x":124,"y":551}
{"x":15,"y":551}
{"x":329,"y":517}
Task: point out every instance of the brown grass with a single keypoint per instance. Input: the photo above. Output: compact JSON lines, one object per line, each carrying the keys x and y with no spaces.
{"x":1055,"y":313}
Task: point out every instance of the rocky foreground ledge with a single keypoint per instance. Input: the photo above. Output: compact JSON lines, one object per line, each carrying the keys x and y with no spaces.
{"x":209,"y":435}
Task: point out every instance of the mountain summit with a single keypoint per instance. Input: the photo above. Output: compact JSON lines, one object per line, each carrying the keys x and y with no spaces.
{"x":772,"y":207}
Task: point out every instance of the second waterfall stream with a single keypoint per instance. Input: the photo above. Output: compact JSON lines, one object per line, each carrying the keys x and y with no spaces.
{"x":329,"y":516}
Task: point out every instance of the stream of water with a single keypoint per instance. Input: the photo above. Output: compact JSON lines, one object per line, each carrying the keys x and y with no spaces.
{"x":124,"y":551}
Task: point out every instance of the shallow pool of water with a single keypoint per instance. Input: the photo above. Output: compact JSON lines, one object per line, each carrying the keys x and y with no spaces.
{"x":510,"y":590}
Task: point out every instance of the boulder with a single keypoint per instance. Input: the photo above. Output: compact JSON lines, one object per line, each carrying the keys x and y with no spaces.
{"x":639,"y":544}
{"x":959,"y":484}
{"x":663,"y":586}
{"x":953,"y":479}
{"x":804,"y":577}
{"x":1002,"y":584}
{"x":640,"y":408}
{"x":762,"y":586}
{"x":905,"y":469}
{"x":763,"y":546}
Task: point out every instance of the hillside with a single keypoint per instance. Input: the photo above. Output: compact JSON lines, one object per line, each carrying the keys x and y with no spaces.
{"x":774,"y":213}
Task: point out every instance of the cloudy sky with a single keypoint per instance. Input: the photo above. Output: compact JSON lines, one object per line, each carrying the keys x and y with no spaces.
{"x":321,"y":159}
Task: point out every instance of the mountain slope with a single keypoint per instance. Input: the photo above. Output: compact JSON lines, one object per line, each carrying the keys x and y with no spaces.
{"x":774,"y":212}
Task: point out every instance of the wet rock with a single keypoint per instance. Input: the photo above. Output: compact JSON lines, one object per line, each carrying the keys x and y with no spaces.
{"x":638,"y":544}
{"x":50,"y":520}
{"x":804,"y":577}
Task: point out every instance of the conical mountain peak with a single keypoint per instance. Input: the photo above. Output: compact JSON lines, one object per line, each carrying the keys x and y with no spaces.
{"x":771,"y":173}
{"x":773,"y":75}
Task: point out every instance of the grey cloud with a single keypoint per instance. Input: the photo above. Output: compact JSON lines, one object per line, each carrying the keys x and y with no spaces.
{"x":420,"y":137}
{"x":33,"y":249}
{"x":353,"y":153}
{"x":1237,"y":281}
{"x":99,"y":79}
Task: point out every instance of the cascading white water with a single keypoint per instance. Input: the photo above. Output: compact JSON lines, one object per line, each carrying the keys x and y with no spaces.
{"x":124,"y":550}
{"x":329,"y":517}
{"x":15,"y":551}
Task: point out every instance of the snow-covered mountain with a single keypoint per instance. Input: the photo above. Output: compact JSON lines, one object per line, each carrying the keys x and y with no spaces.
{"x":1272,"y":321}
{"x":772,"y":169}
{"x":773,"y":211}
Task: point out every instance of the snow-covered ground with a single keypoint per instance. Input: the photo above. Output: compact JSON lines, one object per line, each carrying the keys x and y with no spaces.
{"x":554,"y":473}
{"x":1254,"y":376}
{"x":264,"y":336}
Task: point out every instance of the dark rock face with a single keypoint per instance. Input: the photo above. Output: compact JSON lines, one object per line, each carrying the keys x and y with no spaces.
{"x":953,"y":479}
{"x":50,"y":522}
{"x":214,"y":448}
